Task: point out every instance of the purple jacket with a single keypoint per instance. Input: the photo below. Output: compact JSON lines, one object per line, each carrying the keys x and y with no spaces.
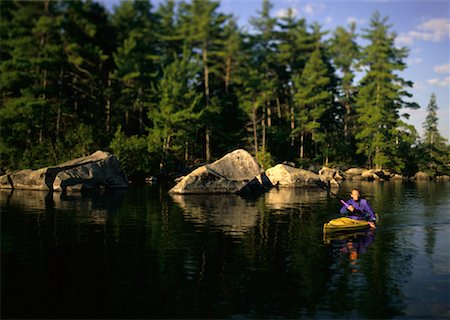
{"x":363,"y":210}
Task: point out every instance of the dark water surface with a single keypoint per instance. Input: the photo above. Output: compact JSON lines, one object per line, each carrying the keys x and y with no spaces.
{"x":140,"y":253}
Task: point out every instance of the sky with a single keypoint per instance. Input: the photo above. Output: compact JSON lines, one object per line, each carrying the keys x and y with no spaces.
{"x":421,"y":26}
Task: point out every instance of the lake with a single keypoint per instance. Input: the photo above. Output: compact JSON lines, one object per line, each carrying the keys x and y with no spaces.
{"x":141,"y":253}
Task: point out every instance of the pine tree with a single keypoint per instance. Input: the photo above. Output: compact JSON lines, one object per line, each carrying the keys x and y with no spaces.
{"x":313,"y":98}
{"x":294,"y":49}
{"x":265,"y":49}
{"x":436,"y":158}
{"x":135,"y":60}
{"x":30,"y":82}
{"x":175,"y":115}
{"x":345,"y":52}
{"x":203,"y":25}
{"x":380,"y":96}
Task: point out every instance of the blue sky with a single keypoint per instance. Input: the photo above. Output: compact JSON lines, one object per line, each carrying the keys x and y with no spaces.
{"x":422,"y":26}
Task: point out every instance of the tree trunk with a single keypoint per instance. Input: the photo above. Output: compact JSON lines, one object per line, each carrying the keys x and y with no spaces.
{"x":206,"y":81}
{"x":346,"y":122}
{"x":255,"y":135}
{"x":302,"y":140}
{"x":58,"y":122}
{"x":292,"y":125}
{"x":227,"y":73}
{"x":278,"y":107}
{"x":206,"y":72}
{"x":208,"y":151}
{"x":263,"y":124}
{"x":108,"y":107}
{"x":141,"y":122}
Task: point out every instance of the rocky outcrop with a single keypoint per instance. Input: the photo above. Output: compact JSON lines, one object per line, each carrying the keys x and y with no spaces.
{"x":235,"y":172}
{"x":396,"y":176}
{"x":286,"y":176}
{"x":442,"y":178}
{"x":421,"y":176}
{"x":354,"y":173}
{"x":100,"y":169}
{"x":367,"y":174}
{"x":330,"y":176}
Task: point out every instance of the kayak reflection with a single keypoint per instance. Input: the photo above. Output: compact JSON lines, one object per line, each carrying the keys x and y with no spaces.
{"x":351,"y":244}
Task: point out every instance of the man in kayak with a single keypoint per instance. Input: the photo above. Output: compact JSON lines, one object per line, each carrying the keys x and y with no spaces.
{"x":359,"y":209}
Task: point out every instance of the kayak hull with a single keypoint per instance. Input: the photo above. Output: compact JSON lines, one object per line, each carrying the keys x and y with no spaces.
{"x":345,"y":224}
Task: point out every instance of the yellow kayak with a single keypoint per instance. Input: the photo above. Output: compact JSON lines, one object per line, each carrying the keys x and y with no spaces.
{"x":345,"y":224}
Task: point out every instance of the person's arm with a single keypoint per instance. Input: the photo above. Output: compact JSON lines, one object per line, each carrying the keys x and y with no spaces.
{"x":344,"y":209}
{"x":370,"y":212}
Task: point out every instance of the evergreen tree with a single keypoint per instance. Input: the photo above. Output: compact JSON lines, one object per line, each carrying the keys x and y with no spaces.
{"x":345,"y":53}
{"x":264,"y":49}
{"x":313,"y":98}
{"x":203,"y":26}
{"x":89,"y":41}
{"x":294,"y":49}
{"x":380,"y":96}
{"x":436,"y":159}
{"x":30,"y":83}
{"x":175,"y":117}
{"x":134,"y":59}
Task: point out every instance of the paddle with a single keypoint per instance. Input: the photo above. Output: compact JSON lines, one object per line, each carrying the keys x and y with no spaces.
{"x":342,"y":201}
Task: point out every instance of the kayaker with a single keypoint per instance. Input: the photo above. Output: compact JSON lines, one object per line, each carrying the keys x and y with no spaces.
{"x":359,"y":209}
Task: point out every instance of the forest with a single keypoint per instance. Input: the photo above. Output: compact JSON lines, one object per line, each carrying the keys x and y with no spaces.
{"x":172,"y":86}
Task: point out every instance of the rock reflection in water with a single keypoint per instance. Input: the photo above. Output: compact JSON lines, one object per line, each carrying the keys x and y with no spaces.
{"x":287,"y":198}
{"x":94,"y":206}
{"x":230,"y":213}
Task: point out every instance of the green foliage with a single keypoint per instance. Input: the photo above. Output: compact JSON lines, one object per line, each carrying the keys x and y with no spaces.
{"x":133,"y":155}
{"x":380,"y":96}
{"x":265,"y":160}
{"x":436,"y":159}
{"x":184,"y":84}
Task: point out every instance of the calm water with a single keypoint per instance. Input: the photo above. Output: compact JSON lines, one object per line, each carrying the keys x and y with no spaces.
{"x":140,"y":253}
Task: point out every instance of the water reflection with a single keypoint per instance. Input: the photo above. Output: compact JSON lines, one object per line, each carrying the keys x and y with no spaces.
{"x":223,"y":256}
{"x":351,"y":245}
{"x":230,"y":213}
{"x":95,"y":206}
{"x":286,"y":198}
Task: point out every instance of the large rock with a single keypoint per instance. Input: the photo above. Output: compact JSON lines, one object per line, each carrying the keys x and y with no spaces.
{"x":367,"y":174}
{"x":354,"y":173}
{"x":100,"y":169}
{"x":25,"y":179}
{"x":442,"y":178}
{"x":286,"y":176}
{"x":235,"y":172}
{"x":421,"y":176}
{"x":330,"y":176}
{"x":372,"y":174}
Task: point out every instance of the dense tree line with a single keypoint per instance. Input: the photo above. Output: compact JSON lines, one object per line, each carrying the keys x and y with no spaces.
{"x":169,"y":87}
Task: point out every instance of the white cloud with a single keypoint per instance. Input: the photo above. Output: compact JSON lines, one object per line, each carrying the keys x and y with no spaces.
{"x":439,"y":82}
{"x":357,"y":21}
{"x":328,"y":19}
{"x":404,"y":40}
{"x":282,"y":13}
{"x":418,"y":85}
{"x":314,"y":8}
{"x":443,"y":68}
{"x":434,"y":30}
{"x":414,"y":61}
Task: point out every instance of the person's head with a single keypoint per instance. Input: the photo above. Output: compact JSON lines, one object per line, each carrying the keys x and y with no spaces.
{"x":355,"y":194}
